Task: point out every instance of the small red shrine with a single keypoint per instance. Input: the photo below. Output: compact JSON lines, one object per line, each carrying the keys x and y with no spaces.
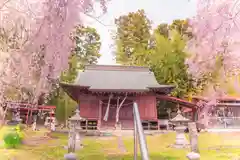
{"x":105,"y":94}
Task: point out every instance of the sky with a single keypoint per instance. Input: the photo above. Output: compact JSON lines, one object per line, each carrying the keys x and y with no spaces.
{"x":158,"y":11}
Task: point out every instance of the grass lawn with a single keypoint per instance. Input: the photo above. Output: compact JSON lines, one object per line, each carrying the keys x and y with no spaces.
{"x":212,"y":146}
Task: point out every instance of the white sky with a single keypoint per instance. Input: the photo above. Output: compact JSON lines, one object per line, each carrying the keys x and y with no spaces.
{"x":157,"y":11}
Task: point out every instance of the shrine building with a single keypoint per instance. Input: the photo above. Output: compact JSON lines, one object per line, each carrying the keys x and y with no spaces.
{"x":105,"y":94}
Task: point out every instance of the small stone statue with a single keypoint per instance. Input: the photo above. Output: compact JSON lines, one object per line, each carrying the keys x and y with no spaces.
{"x":193,"y":156}
{"x":53,"y":128}
{"x":70,"y":156}
{"x":34,"y":125}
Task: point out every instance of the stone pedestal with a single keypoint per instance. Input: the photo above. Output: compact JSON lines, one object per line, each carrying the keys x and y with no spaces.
{"x":118,"y":126}
{"x":70,"y":156}
{"x":78,"y":141}
{"x":193,"y":156}
{"x":53,"y":128}
{"x":181,"y":140}
{"x":34,"y":126}
{"x":72,"y":140}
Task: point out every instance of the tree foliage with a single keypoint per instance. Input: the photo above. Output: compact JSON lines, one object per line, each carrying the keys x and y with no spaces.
{"x":181,"y":26}
{"x":132,"y":38}
{"x":43,"y":45}
{"x":86,"y":51}
{"x":168,"y":63}
{"x":38,"y":35}
{"x":214,"y":48}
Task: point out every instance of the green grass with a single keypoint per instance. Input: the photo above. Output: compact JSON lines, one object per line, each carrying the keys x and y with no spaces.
{"x":211,"y":148}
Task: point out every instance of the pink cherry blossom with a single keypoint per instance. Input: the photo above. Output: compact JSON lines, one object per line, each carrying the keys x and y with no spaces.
{"x":216,"y":31}
{"x":43,"y":29}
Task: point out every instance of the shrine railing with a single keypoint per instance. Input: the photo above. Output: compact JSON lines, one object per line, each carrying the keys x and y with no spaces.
{"x":139,"y":135}
{"x":224,"y":122}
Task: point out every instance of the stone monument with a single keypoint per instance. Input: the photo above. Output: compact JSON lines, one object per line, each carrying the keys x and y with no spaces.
{"x":181,"y":141}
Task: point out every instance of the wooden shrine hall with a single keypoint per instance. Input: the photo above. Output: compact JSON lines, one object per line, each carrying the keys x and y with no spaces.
{"x":105,"y":94}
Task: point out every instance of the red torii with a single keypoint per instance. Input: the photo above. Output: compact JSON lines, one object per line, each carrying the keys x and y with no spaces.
{"x":29,"y":107}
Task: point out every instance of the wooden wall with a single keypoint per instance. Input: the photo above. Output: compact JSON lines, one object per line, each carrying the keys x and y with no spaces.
{"x":89,"y":107}
{"x":147,"y":107}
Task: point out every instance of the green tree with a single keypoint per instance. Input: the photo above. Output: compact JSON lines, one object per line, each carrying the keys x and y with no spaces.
{"x":132,"y":38}
{"x":181,"y":26}
{"x":163,"y":29}
{"x":168,"y":62}
{"x":86,"y":51}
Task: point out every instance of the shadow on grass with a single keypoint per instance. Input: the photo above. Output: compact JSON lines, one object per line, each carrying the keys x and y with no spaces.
{"x":152,"y":157}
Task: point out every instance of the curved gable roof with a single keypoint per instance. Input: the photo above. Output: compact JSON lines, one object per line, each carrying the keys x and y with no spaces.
{"x":109,"y":77}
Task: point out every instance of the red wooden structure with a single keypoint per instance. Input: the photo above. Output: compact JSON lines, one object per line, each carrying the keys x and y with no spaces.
{"x":26,"y":110}
{"x":105,"y":95}
{"x":225,"y":109}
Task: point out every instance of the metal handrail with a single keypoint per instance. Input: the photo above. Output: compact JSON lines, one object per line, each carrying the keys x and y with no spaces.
{"x":139,"y":135}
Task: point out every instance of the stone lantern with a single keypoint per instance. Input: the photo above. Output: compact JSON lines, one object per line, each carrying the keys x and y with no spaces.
{"x":179,"y":120}
{"x":74,"y":141}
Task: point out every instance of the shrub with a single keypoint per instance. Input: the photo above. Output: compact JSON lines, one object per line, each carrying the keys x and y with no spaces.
{"x":12,"y":140}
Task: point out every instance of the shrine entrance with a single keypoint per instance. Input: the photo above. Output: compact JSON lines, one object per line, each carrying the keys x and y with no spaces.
{"x":125,"y":114}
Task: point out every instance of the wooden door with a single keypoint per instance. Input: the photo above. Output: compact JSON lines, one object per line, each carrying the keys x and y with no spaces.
{"x":126,"y":113}
{"x":111,"y":114}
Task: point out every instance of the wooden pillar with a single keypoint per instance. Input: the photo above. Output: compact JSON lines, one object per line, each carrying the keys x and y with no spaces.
{"x":31,"y":117}
{"x":99,"y":114}
{"x":194,"y":112}
{"x":28,"y":110}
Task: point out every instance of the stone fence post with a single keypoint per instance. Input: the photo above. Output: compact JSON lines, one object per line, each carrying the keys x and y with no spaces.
{"x":193,"y":136}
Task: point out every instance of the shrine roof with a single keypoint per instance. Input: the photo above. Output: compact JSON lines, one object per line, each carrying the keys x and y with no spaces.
{"x":223,"y":98}
{"x":118,"y":78}
{"x":179,"y":118}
